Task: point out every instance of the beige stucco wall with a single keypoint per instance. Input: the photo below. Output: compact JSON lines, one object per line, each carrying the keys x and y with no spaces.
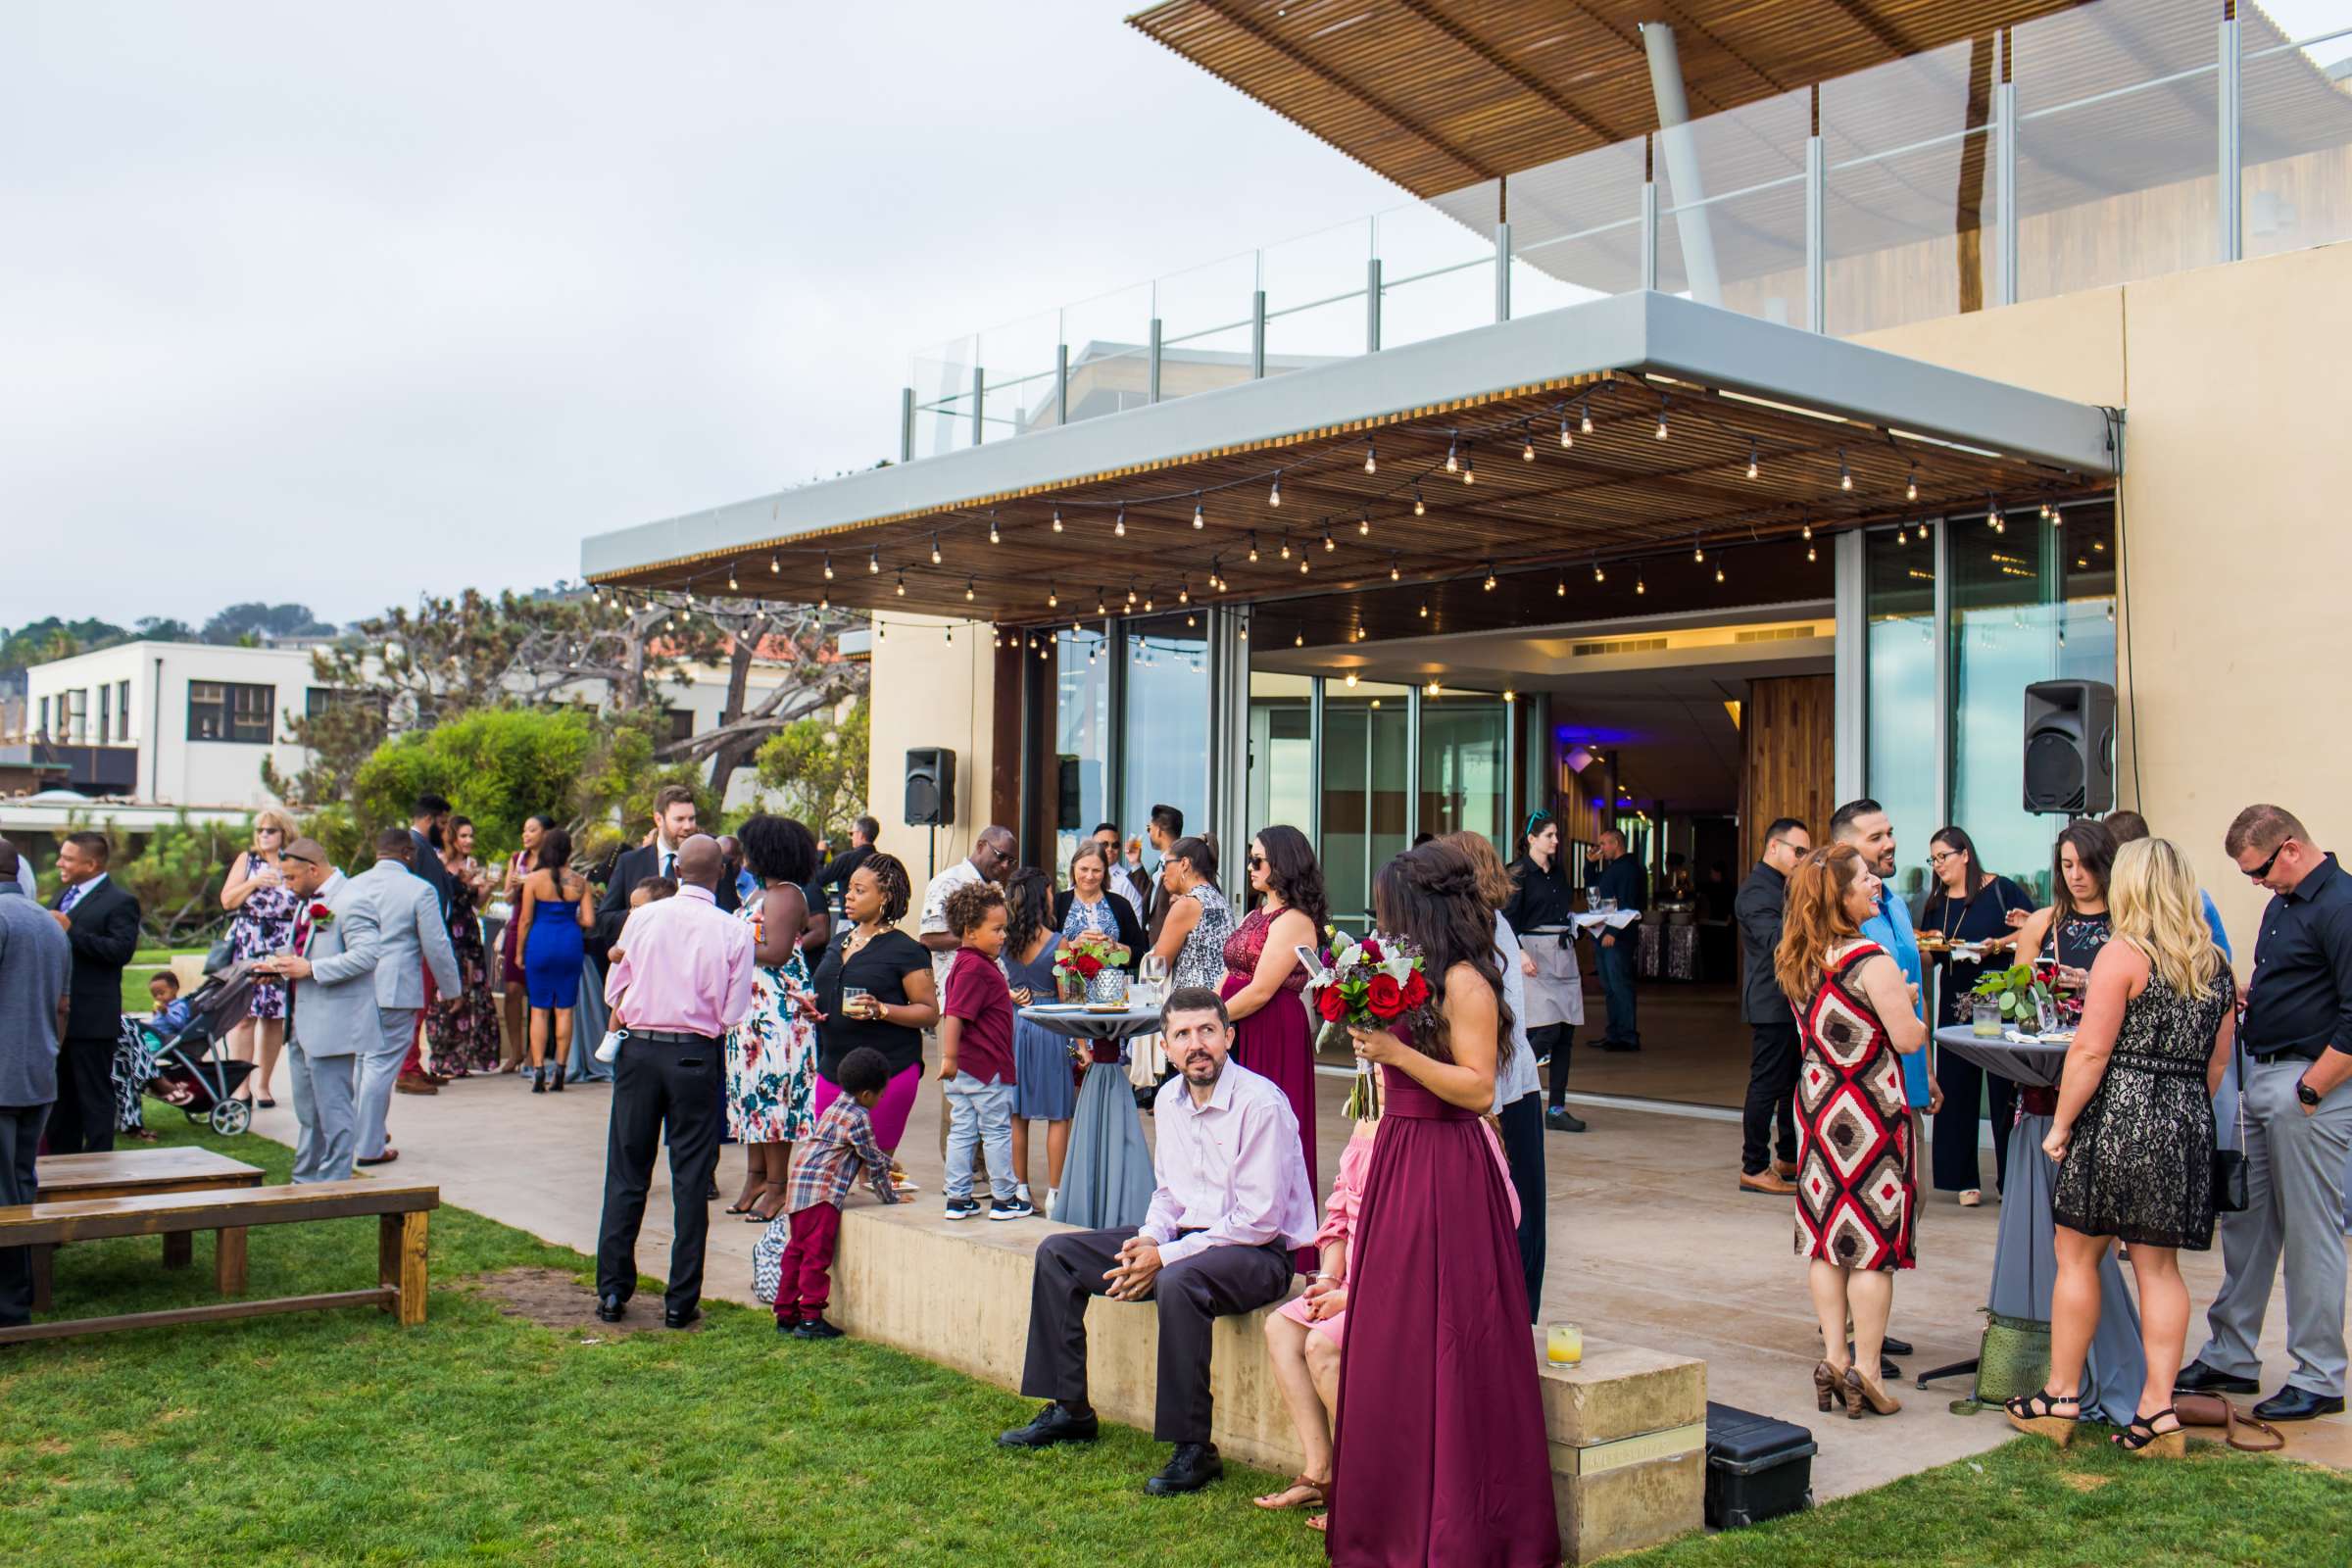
{"x":2234,"y":630}
{"x":930,"y":692}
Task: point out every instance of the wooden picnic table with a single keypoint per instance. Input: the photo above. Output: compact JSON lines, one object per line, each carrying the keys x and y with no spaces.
{"x":140,"y":1173}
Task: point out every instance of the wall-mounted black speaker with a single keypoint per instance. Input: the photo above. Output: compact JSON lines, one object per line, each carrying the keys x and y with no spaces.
{"x":930,"y":787}
{"x":2070,"y":747}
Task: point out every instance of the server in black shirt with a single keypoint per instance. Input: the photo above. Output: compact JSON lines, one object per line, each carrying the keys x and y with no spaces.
{"x":1542,"y":914}
{"x":1619,"y":877}
{"x":2298,"y":1113}
{"x":1772,"y":1049}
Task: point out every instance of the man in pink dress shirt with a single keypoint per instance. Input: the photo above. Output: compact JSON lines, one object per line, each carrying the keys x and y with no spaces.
{"x":681,"y":978}
{"x":1233,"y":1200}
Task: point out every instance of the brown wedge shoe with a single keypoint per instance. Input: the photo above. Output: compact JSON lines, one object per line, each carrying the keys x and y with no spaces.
{"x":2037,"y":1413}
{"x":2141,"y":1441}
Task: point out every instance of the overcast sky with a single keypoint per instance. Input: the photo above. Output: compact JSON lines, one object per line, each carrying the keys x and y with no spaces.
{"x":341,"y":305}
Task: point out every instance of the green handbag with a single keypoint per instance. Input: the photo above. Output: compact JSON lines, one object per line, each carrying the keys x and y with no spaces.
{"x":2014,"y":1358}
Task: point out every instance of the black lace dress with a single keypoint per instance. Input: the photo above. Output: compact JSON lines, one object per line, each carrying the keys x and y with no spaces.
{"x":2140,"y":1162}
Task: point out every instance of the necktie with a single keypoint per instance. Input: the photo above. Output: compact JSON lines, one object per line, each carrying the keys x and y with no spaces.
{"x":669,"y":863}
{"x":64,"y":905}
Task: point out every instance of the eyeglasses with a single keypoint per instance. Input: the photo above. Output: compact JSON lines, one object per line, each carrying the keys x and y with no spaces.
{"x":1939,"y":858}
{"x":2257,"y":873}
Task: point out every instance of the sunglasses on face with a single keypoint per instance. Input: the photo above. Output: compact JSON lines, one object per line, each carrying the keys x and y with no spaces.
{"x":2258,"y":872}
{"x":1257,"y":862}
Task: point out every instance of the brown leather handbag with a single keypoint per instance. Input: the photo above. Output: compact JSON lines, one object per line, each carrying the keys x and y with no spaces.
{"x":2212,"y":1410}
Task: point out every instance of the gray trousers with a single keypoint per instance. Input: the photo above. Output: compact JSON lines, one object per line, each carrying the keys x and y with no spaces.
{"x":2295,"y":1206}
{"x":20,"y":1140}
{"x":379,"y":1067}
{"x":979,"y":1115}
{"x":327,"y":1117}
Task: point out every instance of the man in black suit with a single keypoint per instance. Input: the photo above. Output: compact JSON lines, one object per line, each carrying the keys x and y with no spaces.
{"x":675,"y":822}
{"x":1774,"y":1051}
{"x":101,"y":923}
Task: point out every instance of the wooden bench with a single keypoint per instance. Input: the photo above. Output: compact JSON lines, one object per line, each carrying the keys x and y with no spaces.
{"x":133,"y":1173}
{"x":401,"y":1207}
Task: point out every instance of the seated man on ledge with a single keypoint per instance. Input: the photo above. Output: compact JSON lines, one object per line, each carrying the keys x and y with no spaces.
{"x":1232,"y":1200}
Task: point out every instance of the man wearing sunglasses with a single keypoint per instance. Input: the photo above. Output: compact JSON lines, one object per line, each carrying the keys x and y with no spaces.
{"x":2297,"y":1031}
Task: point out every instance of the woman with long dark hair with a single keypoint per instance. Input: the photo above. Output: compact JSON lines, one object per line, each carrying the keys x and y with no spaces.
{"x":1969,"y":905}
{"x":2070,"y":933}
{"x":772,"y":1054}
{"x":1441,"y":1455}
{"x":1541,"y":913}
{"x":1264,"y":977}
{"x":875,"y":987}
{"x":555,"y":912}
{"x":514,"y":986}
{"x":464,"y":1022}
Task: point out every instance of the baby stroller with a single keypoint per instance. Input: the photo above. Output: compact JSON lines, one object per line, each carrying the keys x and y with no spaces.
{"x":190,"y":1069}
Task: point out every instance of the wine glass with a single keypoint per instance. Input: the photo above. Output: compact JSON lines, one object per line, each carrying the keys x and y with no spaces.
{"x":1154,"y":975}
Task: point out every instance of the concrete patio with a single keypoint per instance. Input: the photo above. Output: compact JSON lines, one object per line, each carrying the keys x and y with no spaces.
{"x":1651,"y":1243}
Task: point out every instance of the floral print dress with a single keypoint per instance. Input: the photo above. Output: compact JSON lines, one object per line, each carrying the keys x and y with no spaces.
{"x":264,"y":925}
{"x":771,"y":1056}
{"x":466,"y":1026}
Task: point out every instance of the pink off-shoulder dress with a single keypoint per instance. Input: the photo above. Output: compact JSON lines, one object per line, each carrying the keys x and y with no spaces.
{"x":1338,"y":1223}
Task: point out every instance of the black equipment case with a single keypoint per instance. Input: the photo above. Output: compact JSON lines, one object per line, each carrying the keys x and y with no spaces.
{"x":1758,"y":1467}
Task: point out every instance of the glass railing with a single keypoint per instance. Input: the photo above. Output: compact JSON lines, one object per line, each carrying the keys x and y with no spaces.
{"x":2098,"y":145}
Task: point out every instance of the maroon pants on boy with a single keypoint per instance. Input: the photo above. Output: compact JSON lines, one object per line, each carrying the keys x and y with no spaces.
{"x":804,"y":1277}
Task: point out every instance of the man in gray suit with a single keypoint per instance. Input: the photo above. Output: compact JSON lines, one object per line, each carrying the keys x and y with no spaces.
{"x":412,"y":937}
{"x":36,"y":962}
{"x":332,"y":1017}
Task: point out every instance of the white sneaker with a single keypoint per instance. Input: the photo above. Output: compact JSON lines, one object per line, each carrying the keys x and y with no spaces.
{"x":1020,"y":1190}
{"x":1052,"y":1202}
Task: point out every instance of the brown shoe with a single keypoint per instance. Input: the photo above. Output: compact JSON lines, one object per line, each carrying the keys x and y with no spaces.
{"x":1784,"y":1169}
{"x":415,"y":1084}
{"x":1765,"y":1181}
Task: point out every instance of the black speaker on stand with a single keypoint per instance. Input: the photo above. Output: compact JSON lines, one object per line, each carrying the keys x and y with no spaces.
{"x":931,"y":793}
{"x":2069,"y":747}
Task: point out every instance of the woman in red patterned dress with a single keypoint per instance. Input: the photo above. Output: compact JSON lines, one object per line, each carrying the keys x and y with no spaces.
{"x":1857,"y":1185}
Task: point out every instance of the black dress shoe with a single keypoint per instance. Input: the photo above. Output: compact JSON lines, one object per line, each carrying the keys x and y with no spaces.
{"x":1191,"y":1467}
{"x":2291,"y":1404}
{"x":817,"y":1328}
{"x":681,"y":1320}
{"x":1894,"y":1346}
{"x":2198,"y":1378}
{"x":1560,"y":1119}
{"x":611,"y":1309}
{"x":1053,"y":1424}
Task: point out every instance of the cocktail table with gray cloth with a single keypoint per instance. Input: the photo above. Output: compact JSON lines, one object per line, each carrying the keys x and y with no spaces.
{"x":2024,"y":1262}
{"x":1107,"y":1180}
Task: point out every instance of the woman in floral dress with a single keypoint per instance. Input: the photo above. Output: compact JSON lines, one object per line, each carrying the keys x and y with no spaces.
{"x":771,"y":1056}
{"x":465,"y":1027}
{"x":263,"y":906}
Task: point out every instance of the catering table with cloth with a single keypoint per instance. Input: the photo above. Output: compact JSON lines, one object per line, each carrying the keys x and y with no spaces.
{"x":1106,"y":1176}
{"x":2023,"y":1258}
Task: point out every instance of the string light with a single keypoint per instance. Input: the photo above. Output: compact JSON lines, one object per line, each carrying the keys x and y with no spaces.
{"x":1923,"y":533}
{"x":1274,"y":496}
{"x":1146,"y":603}
{"x":1371,"y":457}
{"x":828,"y":566}
{"x":1328,"y":546}
{"x":1184,"y":591}
{"x":1420,"y":509}
{"x":1509,"y":695}
{"x":901,"y":585}
{"x":1303,"y":567}
{"x":1846,"y":476}
{"x":1527,"y":451}
{"x":1053,"y":597}
{"x":1131,"y":590}
{"x":1253,"y":547}
{"x":1719,"y":571}
{"x":1751,"y":459}
{"x":1298,"y":639}
{"x":881,"y":631}
{"x":874,"y":563}
{"x":1424,"y":610}
{"x":1100,"y":607}
{"x":1469,"y":469}
{"x":1430,"y":690}
{"x":1992,"y":515}
{"x":1364,"y":527}
{"x":1120,"y":528}
{"x":1395,"y":573}
{"x":935,"y":550}
{"x":967,"y":590}
{"x":731,"y":587}
{"x":1490,"y":583}
{"x":1806,"y":532}
{"x":1699,"y":551}
{"x":1598,"y":575}
{"x":1285,"y":544}
{"x":1639,"y":587}
{"x":1585,"y":416}
{"x":824,"y":599}
{"x":1199,"y":517}
{"x":994,"y":537}
{"x":1811,"y":553}
{"x":951,"y":631}
{"x":1057,"y":520}
{"x":1351,"y":678}
{"x":773,"y":565}
{"x":1663,"y":403}
{"x":1561,"y":588}
{"x":1566,"y":440}
{"x":1911,"y":482}
{"x":1454,"y":462}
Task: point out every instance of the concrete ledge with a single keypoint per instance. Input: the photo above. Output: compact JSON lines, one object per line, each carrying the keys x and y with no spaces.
{"x":1627,"y":1425}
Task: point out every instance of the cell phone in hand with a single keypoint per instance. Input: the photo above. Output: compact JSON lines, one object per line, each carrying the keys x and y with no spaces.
{"x":1311,"y":959}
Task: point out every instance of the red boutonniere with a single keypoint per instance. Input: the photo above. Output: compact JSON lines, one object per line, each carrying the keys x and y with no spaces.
{"x":321,"y":916}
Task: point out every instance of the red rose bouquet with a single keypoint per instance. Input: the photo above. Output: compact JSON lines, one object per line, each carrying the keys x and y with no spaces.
{"x":1077,"y":961}
{"x":1373,"y":984}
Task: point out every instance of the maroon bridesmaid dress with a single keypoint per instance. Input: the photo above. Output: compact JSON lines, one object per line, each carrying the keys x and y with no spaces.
{"x":1441,"y":1454}
{"x":1275,"y":1042}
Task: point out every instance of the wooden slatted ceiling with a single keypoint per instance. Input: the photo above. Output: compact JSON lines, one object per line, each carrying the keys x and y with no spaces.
{"x":1438,"y":94}
{"x":1619,"y":492}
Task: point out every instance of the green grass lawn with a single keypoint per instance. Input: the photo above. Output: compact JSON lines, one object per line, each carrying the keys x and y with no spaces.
{"x":487,"y":1437}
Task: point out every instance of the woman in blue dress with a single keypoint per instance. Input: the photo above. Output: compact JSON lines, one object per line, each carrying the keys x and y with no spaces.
{"x":1045,"y":1089}
{"x":549,"y":933}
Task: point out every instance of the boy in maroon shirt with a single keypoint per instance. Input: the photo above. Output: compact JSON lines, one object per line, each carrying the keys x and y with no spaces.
{"x":975,"y":1054}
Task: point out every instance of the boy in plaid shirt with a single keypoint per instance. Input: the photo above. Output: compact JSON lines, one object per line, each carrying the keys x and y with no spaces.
{"x":799,"y":1244}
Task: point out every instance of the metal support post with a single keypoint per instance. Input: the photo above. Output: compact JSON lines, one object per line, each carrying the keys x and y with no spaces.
{"x":2005,"y":193}
{"x":1849,"y":661}
{"x":1258,"y":335}
{"x":2232,"y":191}
{"x":1372,"y":306}
{"x":906,"y":424}
{"x":1502,"y":272}
{"x":1649,"y":233}
{"x":979,"y":390}
{"x":1946,"y":709}
{"x":1151,"y":367}
{"x":1816,"y":294}
{"x":1675,"y":143}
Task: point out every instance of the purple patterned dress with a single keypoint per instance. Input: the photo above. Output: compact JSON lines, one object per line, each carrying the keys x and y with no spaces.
{"x":263,"y":924}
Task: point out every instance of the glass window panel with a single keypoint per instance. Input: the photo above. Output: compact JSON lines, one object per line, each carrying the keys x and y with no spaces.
{"x":1365,"y":729}
{"x":2117,"y":142}
{"x":1111,"y":352}
{"x":1207,"y":316}
{"x":1731,"y":187}
{"x":1465,"y":747}
{"x":1281,"y":757}
{"x":1901,"y":716}
{"x":1163,"y":759}
{"x":1018,"y":360}
{"x":2294,"y":136}
{"x":942,"y":379}
{"x":1908,"y":228}
{"x":2004,"y":637}
{"x":1081,"y":740}
{"x":1315,"y":296}
{"x":1576,"y":227}
{"x":1437,"y":265}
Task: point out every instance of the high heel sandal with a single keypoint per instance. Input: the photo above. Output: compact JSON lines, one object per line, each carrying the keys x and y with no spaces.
{"x":2044,"y":1421}
{"x":1828,"y":1384}
{"x":2142,"y":1440}
{"x":1861,"y":1398}
{"x":538,"y":1080}
{"x":558,"y":1085}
